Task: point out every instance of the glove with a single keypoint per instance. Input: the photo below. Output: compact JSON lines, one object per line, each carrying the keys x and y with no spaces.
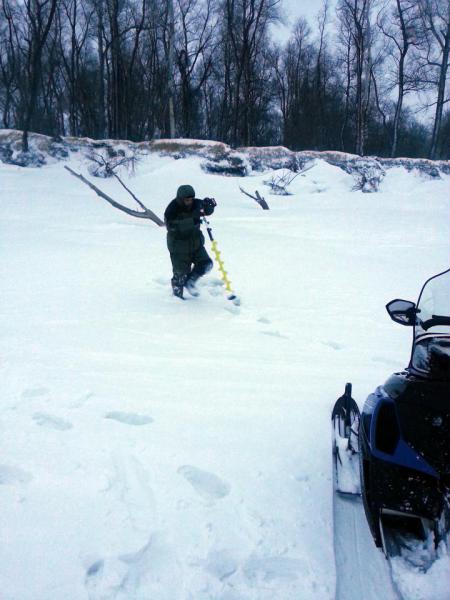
{"x":209,"y":204}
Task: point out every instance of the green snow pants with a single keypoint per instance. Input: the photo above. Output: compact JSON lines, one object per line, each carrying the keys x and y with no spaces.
{"x":189,"y":258}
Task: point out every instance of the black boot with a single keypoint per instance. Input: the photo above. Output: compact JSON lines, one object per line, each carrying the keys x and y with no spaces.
{"x":191,"y":287}
{"x":178,"y":282}
{"x":198,"y":271}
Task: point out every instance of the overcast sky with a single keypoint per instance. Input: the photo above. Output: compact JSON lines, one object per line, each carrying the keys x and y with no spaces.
{"x":301,"y":8}
{"x":293,"y":9}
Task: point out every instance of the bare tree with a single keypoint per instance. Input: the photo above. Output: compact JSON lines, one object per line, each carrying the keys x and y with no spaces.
{"x":194,"y":54}
{"x":355,"y":23}
{"x":74,"y":24}
{"x":99,"y":6}
{"x":38,"y":16}
{"x":435,"y":15}
{"x":321,"y":71}
{"x":246,"y":23}
{"x":345,"y":46}
{"x":132,"y":69}
{"x":170,"y":66}
{"x":8,"y":61}
{"x":399,"y":26}
{"x":293,"y":72}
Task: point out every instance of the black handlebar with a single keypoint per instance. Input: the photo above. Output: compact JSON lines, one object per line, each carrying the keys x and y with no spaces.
{"x":434,"y":321}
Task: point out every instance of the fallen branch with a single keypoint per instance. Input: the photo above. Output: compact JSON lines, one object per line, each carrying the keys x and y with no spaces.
{"x":110,"y":170}
{"x":145,"y":214}
{"x":130,"y":192}
{"x":258,"y":198}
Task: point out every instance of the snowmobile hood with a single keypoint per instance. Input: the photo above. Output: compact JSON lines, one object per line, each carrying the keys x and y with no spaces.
{"x":423,"y":412}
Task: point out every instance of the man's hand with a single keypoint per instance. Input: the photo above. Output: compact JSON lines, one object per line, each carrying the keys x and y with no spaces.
{"x":208,"y":205}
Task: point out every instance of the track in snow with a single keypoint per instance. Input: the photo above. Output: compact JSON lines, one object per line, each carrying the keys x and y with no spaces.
{"x":361,"y":568}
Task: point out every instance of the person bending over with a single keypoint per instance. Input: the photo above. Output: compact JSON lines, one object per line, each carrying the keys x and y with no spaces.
{"x":185,"y":240}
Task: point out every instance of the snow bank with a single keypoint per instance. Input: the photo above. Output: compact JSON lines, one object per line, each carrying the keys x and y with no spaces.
{"x":219,"y":158}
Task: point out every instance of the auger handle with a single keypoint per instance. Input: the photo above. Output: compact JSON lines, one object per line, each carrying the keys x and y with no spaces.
{"x":208,"y":228}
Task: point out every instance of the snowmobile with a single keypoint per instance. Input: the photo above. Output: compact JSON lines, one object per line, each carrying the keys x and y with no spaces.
{"x":396,"y":452}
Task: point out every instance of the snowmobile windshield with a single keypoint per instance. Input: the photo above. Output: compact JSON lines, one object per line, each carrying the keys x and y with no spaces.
{"x":431,"y":349}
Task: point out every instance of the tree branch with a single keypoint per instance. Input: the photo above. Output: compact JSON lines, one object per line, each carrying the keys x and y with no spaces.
{"x":145,"y":214}
{"x":130,"y":192}
{"x":259,"y":199}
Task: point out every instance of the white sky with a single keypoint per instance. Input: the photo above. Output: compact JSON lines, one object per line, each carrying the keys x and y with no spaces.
{"x":299,"y":8}
{"x":293,"y":9}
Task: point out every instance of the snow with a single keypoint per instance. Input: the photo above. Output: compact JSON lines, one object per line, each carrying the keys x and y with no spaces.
{"x":152,"y":448}
{"x":188,"y":142}
{"x":416,"y":586}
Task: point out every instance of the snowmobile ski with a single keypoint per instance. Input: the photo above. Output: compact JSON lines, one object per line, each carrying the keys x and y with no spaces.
{"x":345,"y":421}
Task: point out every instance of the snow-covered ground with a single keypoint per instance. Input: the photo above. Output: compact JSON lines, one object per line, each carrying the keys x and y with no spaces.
{"x":153,"y":449}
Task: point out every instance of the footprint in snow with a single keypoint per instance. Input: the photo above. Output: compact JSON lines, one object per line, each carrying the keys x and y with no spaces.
{"x":212,"y":282}
{"x":161,"y":281}
{"x":230,"y":594}
{"x":152,"y":571}
{"x":81,"y":401}
{"x":129,"y":418}
{"x":51,"y":422}
{"x":385,"y":361}
{"x":10,"y":475}
{"x":233,"y":309}
{"x":213,"y":286}
{"x":221,"y":564}
{"x":214,"y":291}
{"x":34,"y":393}
{"x":269,"y":568}
{"x":208,"y":485}
{"x":275,"y":334}
{"x":333,"y":345}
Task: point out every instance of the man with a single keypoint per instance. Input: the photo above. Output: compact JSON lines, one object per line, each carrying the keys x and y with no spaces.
{"x":185,"y":240}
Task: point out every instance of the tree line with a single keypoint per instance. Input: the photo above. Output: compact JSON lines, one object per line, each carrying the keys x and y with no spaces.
{"x":368,"y":76}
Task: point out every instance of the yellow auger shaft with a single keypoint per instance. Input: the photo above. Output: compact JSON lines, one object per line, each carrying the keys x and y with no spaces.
{"x":222,"y":271}
{"x":224,"y":275}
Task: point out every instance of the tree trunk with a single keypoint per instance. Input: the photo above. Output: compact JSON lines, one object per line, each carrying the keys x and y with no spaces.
{"x":434,"y":147}
{"x":170,"y":74}
{"x":39,"y":32}
{"x":101,"y":72}
{"x":398,"y":107}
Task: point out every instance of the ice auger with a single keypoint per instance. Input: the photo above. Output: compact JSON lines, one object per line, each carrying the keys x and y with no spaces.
{"x":223,"y":274}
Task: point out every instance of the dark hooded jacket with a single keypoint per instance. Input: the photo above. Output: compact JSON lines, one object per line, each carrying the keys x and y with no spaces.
{"x":183,"y":224}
